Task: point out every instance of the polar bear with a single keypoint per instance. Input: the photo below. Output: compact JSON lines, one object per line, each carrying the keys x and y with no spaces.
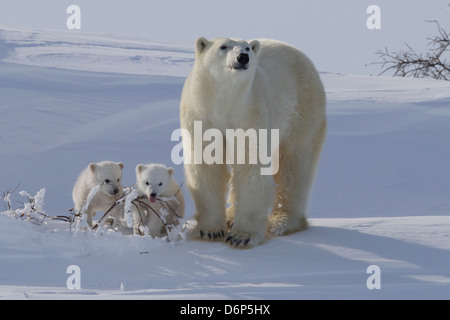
{"x":160,"y":200}
{"x":252,"y":85}
{"x":107,"y":175}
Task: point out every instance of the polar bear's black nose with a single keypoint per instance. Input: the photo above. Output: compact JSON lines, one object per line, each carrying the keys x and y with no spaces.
{"x":153,"y":194}
{"x":116,"y":191}
{"x":243,"y":58}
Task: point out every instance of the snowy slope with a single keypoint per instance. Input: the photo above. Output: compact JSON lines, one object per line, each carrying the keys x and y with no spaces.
{"x":74,"y":50}
{"x":381,"y":197}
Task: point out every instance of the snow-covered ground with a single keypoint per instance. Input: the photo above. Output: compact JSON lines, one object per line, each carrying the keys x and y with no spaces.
{"x":381,"y":197}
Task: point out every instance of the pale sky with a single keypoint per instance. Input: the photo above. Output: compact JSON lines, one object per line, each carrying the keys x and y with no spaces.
{"x":333,"y":33}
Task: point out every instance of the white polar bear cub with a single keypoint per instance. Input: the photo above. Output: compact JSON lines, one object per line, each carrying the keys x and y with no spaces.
{"x":160,"y":200}
{"x":252,"y":85}
{"x":108,"y":176}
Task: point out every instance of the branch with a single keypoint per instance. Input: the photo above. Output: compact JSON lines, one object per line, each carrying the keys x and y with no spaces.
{"x":409,"y":63}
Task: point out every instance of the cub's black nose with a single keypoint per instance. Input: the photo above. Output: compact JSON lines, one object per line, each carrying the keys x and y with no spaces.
{"x":243,"y":58}
{"x":153,"y":194}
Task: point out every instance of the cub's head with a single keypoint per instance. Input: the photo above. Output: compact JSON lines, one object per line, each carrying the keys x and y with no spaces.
{"x":152,"y":180}
{"x":227,"y":56}
{"x":108,"y":175}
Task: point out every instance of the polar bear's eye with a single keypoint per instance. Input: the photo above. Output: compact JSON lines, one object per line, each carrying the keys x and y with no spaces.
{"x":107,"y":181}
{"x":247,"y":49}
{"x":147,"y":183}
{"x":160,"y":184}
{"x":223,"y":48}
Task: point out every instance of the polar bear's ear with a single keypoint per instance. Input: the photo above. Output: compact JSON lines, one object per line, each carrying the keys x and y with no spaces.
{"x":200,"y":45}
{"x":121,"y":165}
{"x":139,"y":168}
{"x":92,"y":167}
{"x":256,"y":45}
{"x":171,"y":171}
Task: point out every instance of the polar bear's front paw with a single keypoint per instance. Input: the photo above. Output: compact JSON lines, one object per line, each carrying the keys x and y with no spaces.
{"x":243,"y":240}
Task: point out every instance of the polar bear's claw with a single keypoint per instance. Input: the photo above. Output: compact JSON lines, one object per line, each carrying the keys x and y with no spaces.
{"x":236,"y":241}
{"x":212,"y":235}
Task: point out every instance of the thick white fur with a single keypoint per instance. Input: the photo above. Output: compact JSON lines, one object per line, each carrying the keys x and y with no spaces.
{"x":158,"y":180}
{"x":281,"y":89}
{"x":107,"y":175}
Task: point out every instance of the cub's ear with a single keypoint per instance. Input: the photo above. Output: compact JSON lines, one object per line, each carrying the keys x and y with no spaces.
{"x":92,"y":167}
{"x":200,"y":45}
{"x":256,"y":45}
{"x":171,"y":171}
{"x":121,"y":165}
{"x":139,"y":168}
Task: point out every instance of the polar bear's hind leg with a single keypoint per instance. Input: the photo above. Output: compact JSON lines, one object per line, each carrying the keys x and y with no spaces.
{"x":294,"y":181}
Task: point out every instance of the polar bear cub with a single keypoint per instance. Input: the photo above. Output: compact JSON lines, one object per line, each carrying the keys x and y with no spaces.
{"x":160,"y":200}
{"x":107,"y":175}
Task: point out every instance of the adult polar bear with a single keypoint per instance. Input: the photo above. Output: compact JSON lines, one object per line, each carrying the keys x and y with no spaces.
{"x":261,"y":84}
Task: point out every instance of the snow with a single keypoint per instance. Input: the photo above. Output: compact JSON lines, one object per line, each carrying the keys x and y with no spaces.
{"x":381,"y":196}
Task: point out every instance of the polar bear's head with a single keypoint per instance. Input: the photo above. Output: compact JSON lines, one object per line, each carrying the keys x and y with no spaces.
{"x":153,"y":180}
{"x":226,"y":56}
{"x":108,"y":175}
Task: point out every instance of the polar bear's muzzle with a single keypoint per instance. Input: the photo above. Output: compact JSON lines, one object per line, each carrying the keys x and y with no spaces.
{"x":113,"y":192}
{"x":241,"y":62}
